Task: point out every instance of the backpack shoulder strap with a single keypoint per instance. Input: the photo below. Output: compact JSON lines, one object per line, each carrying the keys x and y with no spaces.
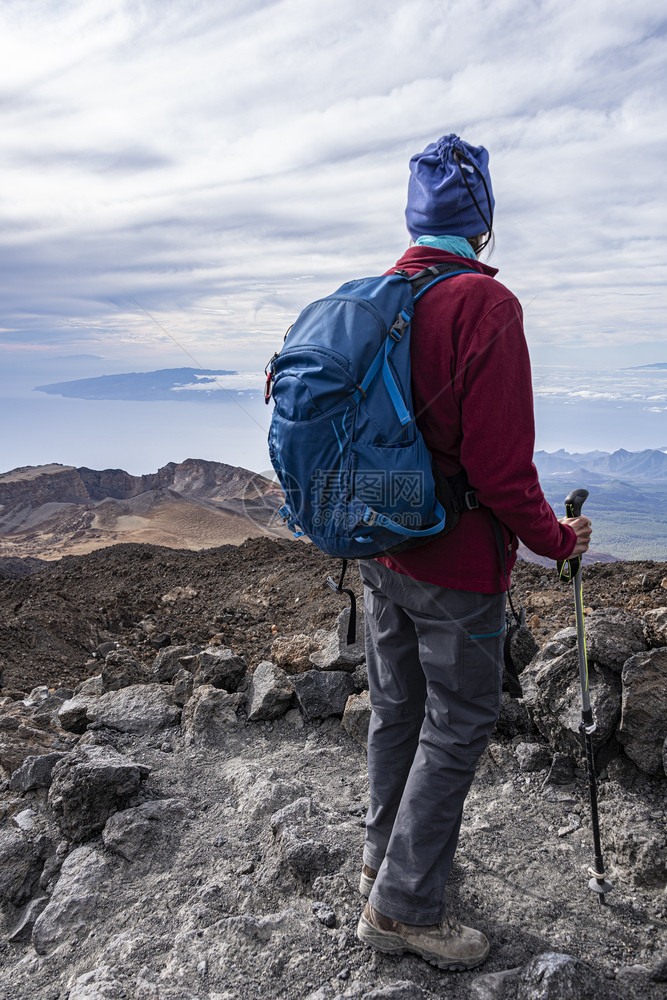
{"x":432,"y":275}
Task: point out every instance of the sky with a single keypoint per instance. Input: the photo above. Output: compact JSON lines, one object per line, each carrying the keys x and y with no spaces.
{"x":180,"y":177}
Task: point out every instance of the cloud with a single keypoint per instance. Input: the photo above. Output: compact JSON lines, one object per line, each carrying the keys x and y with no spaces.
{"x":207,"y":169}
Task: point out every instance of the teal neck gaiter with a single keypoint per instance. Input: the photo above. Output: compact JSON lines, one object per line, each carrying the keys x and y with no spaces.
{"x":453,"y":244}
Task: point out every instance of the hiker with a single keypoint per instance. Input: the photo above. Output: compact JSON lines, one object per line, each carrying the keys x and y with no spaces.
{"x":435,"y":614}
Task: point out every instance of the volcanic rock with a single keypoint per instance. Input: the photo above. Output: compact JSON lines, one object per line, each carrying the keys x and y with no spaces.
{"x":73,"y":713}
{"x":612,"y":636}
{"x":210,"y":714}
{"x":133,"y":832}
{"x":20,"y":866}
{"x":357,"y":716}
{"x":532,"y":756}
{"x":183,"y":684}
{"x":217,"y":899}
{"x":169,"y":661}
{"x":120,"y":669}
{"x":23,"y":736}
{"x":322,"y":694}
{"x":335,"y":654}
{"x":554,"y":976}
{"x":656,"y":626}
{"x":220,"y":667}
{"x":74,"y":900}
{"x":270,"y":692}
{"x":292,"y":654}
{"x":556,"y":705}
{"x":89,"y":785}
{"x":139,"y":708}
{"x":643,"y":725}
{"x":35,"y":772}
{"x":22,"y":931}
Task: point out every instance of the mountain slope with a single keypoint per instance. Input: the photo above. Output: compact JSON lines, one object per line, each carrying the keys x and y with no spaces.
{"x":51,"y":511}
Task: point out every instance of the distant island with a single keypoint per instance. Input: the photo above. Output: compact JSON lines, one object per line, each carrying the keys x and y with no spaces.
{"x":173,"y":384}
{"x":657,"y":365}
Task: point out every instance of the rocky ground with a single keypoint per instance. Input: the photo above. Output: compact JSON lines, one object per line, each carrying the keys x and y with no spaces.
{"x":189,"y":823}
{"x":51,"y":621}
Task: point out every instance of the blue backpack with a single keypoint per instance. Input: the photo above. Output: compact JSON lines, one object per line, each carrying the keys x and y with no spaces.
{"x":358,"y":478}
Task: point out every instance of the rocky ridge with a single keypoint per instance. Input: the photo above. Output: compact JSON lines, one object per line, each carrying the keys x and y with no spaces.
{"x":182,"y":809}
{"x":52,"y":511}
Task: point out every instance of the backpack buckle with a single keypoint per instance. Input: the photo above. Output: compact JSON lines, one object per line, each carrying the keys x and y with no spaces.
{"x":470,"y":500}
{"x":401,"y":323}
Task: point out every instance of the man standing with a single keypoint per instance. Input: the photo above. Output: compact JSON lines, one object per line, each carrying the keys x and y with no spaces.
{"x":435,"y":614}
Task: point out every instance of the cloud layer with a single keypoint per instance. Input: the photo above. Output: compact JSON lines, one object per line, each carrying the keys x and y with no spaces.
{"x":190,"y":174}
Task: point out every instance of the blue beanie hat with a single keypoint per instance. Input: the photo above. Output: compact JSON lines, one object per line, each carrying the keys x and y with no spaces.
{"x":439,"y":199}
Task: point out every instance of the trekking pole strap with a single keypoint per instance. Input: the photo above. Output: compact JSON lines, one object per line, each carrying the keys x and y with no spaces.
{"x":500,"y":542}
{"x":511,"y":673}
{"x":339,"y":589}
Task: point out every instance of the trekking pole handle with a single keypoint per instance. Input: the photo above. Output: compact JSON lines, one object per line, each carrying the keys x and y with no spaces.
{"x":574,"y":501}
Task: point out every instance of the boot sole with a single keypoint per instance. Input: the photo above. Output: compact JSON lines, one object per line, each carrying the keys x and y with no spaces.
{"x":394,"y":944}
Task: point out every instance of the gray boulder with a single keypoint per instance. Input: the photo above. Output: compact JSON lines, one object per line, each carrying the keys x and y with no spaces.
{"x":73,"y":714}
{"x":307,"y":857}
{"x":612,"y":636}
{"x":357,"y":716}
{"x":321,"y":694}
{"x":20,"y":867}
{"x":335,"y":654}
{"x":99,"y":984}
{"x":22,"y":931}
{"x":74,"y":901}
{"x":532,"y":757}
{"x":556,"y":705}
{"x":91,"y":686}
{"x":220,"y":667}
{"x":183,"y":685}
{"x":171,"y":660}
{"x":643,"y":725}
{"x":360,"y":678}
{"x":638,"y":845}
{"x":514,"y":717}
{"x":88,"y":786}
{"x":269,"y":693}
{"x":560,"y":643}
{"x":120,"y":669}
{"x":139,"y":708}
{"x":133,"y":832}
{"x":292,"y":653}
{"x":656,"y":626}
{"x":210,"y":714}
{"x":35,"y":772}
{"x":495,"y":985}
{"x":22,"y":735}
{"x":554,"y":976}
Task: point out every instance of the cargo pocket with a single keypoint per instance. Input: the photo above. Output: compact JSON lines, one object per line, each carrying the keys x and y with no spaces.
{"x":481,"y":662}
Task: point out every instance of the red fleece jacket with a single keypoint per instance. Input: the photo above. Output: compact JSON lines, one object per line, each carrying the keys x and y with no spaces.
{"x":473,"y":401}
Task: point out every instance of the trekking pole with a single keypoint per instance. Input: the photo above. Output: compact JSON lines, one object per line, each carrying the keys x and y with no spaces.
{"x":570,"y":570}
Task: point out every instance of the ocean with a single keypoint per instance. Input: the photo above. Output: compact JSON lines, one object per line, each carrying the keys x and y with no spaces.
{"x":574,"y":410}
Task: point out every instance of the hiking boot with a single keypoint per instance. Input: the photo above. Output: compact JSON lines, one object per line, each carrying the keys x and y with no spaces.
{"x":448,"y":945}
{"x":367,"y":880}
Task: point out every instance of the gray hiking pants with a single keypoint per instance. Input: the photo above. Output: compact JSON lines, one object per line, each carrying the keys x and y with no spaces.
{"x":435,"y":672}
